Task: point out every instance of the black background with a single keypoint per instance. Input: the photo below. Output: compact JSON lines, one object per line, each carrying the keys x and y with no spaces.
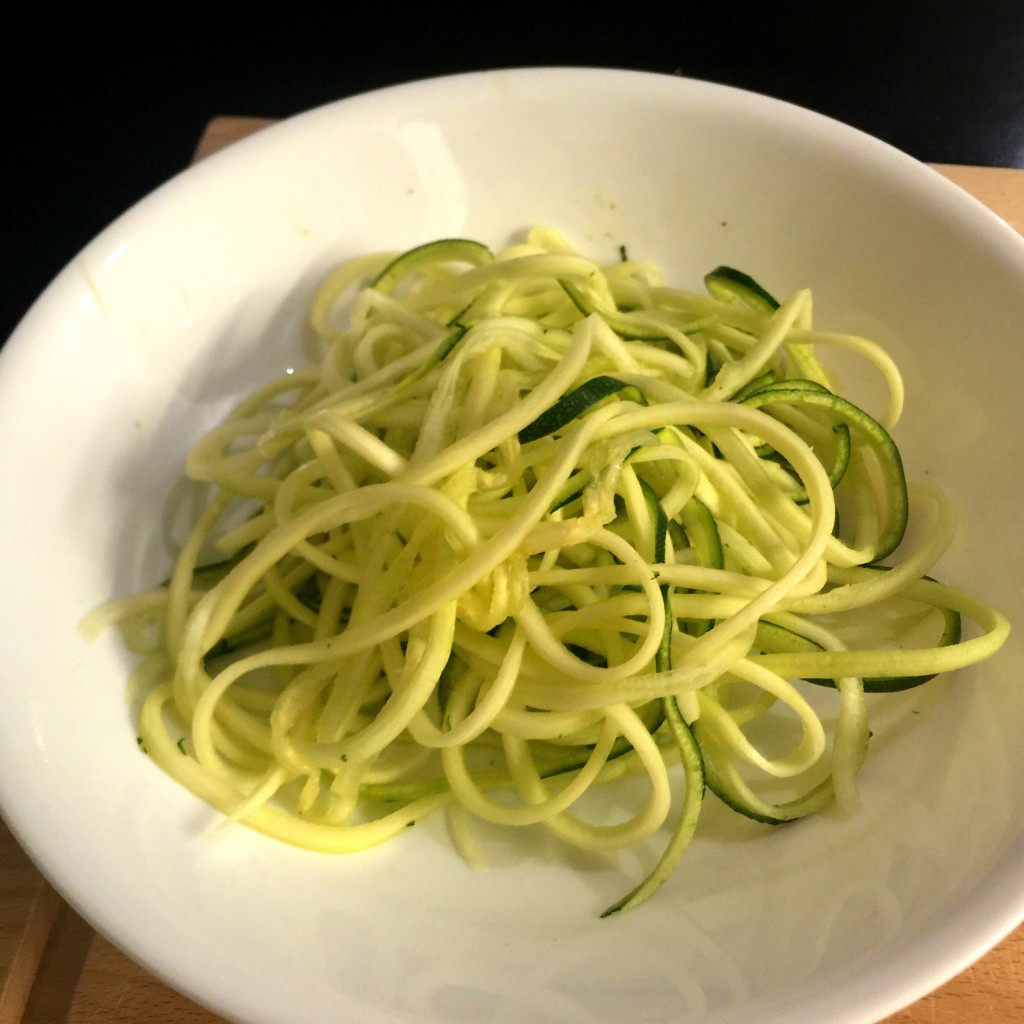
{"x":91,"y":131}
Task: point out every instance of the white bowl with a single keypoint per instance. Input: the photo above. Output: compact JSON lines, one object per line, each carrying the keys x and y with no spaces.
{"x":196,"y":295}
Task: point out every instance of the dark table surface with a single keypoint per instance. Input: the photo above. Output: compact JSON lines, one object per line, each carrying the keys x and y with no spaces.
{"x":91,"y":133}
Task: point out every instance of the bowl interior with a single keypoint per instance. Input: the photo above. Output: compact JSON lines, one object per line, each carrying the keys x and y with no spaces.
{"x":197,"y":294}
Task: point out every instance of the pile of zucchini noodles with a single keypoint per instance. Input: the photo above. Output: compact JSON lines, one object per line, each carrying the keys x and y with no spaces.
{"x":531,"y":525}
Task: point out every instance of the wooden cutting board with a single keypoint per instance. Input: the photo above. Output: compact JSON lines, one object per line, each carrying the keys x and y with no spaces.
{"x":54,"y":969}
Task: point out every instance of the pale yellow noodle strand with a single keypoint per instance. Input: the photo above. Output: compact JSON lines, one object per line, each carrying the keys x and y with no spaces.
{"x":469,"y":794}
{"x":275,"y":823}
{"x":588,"y":836}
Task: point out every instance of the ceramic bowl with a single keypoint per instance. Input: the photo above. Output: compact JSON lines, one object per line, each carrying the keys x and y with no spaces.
{"x":197,"y":294}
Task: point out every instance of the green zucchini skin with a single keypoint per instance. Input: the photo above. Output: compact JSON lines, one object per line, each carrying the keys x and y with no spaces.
{"x":444,"y":250}
{"x":574,"y":404}
{"x":860,"y":426}
{"x":732,"y":285}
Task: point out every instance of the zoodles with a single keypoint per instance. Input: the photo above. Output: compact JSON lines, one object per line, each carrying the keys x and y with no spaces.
{"x":533,"y":524}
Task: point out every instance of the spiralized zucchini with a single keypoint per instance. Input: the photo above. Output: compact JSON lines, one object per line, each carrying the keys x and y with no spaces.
{"x":533,"y":525}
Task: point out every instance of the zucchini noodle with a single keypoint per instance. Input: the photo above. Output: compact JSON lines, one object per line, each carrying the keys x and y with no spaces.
{"x":533,"y":525}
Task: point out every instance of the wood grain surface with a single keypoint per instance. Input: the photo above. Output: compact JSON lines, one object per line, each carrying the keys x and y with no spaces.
{"x":54,"y":969}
